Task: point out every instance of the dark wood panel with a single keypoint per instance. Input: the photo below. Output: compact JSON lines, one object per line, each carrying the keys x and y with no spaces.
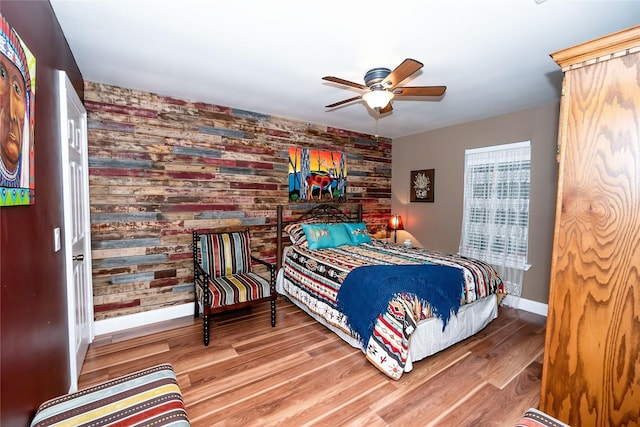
{"x":34,"y":332}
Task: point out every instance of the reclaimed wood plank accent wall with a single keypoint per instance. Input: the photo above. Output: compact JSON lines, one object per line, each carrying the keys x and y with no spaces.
{"x":160,"y":167}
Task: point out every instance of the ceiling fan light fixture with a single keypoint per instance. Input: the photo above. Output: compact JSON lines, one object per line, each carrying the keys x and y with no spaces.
{"x":381,"y":86}
{"x":377,"y":98}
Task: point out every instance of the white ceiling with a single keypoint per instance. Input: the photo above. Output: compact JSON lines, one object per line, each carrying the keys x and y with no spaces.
{"x":269,"y":56}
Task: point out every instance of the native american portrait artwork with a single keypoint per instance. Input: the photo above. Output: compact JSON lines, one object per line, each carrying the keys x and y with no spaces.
{"x":316,"y":175}
{"x":422,"y":185}
{"x":17,"y":118}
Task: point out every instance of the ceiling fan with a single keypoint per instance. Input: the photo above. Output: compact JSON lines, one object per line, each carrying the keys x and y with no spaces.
{"x":381,"y":86}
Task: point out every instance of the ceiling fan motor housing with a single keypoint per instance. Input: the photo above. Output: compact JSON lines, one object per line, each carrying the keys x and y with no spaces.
{"x":375,"y":76}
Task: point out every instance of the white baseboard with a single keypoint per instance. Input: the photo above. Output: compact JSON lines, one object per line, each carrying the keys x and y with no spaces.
{"x":526,"y":305}
{"x":121,"y":323}
{"x":128,"y":321}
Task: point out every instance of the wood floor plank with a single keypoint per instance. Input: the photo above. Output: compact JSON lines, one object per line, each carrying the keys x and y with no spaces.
{"x":300,"y":373}
{"x":507,"y":404}
{"x":352,"y":406}
{"x":223,"y":405}
{"x":523,"y":390}
{"x":463,"y":413}
{"x":320,"y":390}
{"x":510,"y":358}
{"x":446,"y":387}
{"x":155,"y":349}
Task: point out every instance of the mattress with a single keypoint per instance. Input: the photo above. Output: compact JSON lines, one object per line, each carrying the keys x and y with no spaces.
{"x":429,"y":337}
{"x":312,"y":280}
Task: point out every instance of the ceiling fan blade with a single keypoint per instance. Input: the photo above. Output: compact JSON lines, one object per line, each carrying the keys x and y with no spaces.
{"x":402,"y":71}
{"x":420,"y":91}
{"x":345,"y":82}
{"x":335,"y":104}
{"x":386,"y":109}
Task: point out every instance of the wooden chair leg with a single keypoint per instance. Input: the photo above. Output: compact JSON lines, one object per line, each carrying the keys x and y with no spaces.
{"x":273,"y":313}
{"x":205,"y":328}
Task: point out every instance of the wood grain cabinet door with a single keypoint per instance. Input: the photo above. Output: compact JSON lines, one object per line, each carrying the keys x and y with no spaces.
{"x":591,"y":370}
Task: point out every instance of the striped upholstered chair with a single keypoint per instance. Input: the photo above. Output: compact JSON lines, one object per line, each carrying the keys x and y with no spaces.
{"x":223,"y":276}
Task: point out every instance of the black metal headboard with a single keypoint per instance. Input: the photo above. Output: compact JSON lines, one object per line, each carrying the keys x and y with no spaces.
{"x":317,"y":213}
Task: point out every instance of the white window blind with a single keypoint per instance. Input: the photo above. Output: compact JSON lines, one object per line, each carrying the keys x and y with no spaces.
{"x":495,"y":225}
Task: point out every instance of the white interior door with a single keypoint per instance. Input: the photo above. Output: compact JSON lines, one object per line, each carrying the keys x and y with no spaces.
{"x":77,"y":227}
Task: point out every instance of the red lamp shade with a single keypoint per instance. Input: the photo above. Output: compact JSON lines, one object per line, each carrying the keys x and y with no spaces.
{"x":395,"y":223}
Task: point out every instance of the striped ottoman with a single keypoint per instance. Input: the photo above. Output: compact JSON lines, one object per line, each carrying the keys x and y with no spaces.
{"x":150,"y":397}
{"x":536,"y":418}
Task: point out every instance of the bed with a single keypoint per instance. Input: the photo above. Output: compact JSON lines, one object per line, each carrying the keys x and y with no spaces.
{"x":395,"y":303}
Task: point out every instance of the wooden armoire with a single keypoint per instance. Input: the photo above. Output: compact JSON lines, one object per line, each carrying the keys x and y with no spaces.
{"x":591,"y":368}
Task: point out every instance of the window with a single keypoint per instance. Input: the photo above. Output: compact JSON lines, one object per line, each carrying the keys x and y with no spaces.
{"x":495,"y":224}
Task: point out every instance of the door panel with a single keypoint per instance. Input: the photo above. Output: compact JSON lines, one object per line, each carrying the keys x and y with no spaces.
{"x":77,"y":238}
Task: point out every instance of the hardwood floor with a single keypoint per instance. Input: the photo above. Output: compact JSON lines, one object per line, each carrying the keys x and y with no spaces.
{"x":300,"y":373}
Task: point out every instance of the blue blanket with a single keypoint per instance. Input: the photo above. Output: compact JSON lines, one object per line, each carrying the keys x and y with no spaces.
{"x":367,"y":291}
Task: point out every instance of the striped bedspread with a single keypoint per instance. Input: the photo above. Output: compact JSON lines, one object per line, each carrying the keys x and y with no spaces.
{"x":150,"y":397}
{"x":314,"y":278}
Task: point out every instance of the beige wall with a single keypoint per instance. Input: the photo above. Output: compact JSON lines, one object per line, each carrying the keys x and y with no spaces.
{"x":437,"y":225}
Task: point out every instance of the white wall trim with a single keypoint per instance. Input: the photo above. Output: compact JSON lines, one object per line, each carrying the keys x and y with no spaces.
{"x":128,"y":321}
{"x":526,"y":305}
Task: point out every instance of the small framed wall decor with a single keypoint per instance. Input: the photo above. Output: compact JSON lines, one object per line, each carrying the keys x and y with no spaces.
{"x":422,"y":185}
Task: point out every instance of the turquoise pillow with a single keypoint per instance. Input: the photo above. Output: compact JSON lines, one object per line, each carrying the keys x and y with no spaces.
{"x":358,"y":233}
{"x":339,"y":234}
{"x":318,"y":236}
